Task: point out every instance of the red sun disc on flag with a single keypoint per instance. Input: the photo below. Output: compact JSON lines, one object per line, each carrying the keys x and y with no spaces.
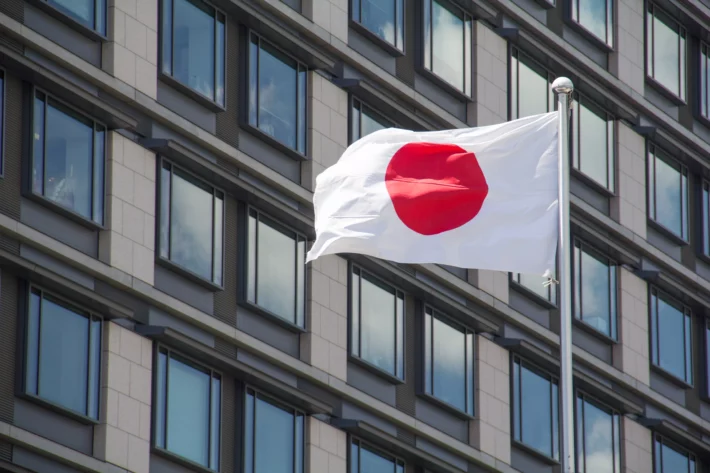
{"x":435,"y":187}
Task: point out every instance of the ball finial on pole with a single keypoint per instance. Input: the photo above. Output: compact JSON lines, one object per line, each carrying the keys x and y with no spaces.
{"x":562,"y":85}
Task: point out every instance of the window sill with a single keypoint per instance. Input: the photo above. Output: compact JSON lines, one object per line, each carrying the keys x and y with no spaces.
{"x":446,"y":406}
{"x":665,"y":91}
{"x":180,"y":460}
{"x":273,"y":317}
{"x":593,"y":331}
{"x":705,"y":121}
{"x":374,"y":369}
{"x":532,"y":295}
{"x":274,"y":142}
{"x":190,"y":92}
{"x":590,"y":182}
{"x":186,"y":273}
{"x":71,"y":22}
{"x":61,"y":410}
{"x":667,"y":232}
{"x":384,"y":44}
{"x":442,"y":83}
{"x":65,"y":212}
{"x":671,"y":377}
{"x":588,"y":35}
{"x":534,"y":452}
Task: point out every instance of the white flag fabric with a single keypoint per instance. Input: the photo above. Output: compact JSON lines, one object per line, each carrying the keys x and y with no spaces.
{"x":483,"y":198}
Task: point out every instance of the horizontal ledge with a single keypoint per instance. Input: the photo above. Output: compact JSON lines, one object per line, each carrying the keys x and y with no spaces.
{"x":673,"y":432}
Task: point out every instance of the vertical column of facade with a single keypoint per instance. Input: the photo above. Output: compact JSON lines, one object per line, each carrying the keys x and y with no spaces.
{"x":331,"y":15}
{"x":627,"y":62}
{"x":325,"y":344}
{"x":328,"y":127}
{"x":630,"y":205}
{"x":637,"y":449}
{"x":490,"y":431}
{"x":326,"y":448}
{"x":631,"y":355}
{"x":491,"y":107}
{"x":131,"y":54}
{"x":128,"y":243}
{"x":123,"y":435}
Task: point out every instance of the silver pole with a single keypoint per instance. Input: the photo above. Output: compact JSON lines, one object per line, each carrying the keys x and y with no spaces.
{"x":563,"y":86}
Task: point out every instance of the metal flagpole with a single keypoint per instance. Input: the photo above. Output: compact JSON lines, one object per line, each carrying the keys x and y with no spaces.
{"x":563,"y":86}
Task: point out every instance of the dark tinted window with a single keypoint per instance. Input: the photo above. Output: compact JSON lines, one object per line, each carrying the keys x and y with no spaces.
{"x":671,"y":458}
{"x":594,"y":289}
{"x":598,"y":441}
{"x":364,"y":121}
{"x":665,"y":51}
{"x":384,"y":18}
{"x":671,"y":336}
{"x":593,"y":142}
{"x":667,"y":192}
{"x":595,"y":16}
{"x":364,"y":459}
{"x":530,"y":92}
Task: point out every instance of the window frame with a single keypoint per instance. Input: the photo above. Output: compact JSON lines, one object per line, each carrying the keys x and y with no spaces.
{"x":400,"y":361}
{"x":580,"y":398}
{"x":426,"y":388}
{"x":301,"y":128}
{"x":650,"y":11}
{"x":652,"y":154}
{"x":199,"y":366}
{"x":212,"y":103}
{"x":608,"y":42}
{"x":579,"y":246}
{"x":579,"y":101}
{"x":554,"y":433}
{"x":358,"y":105}
{"x":166,"y":261}
{"x":259,"y":394}
{"x":548,"y":303}
{"x":704,"y":246}
{"x":75,"y":24}
{"x":400,"y":8}
{"x":398,"y":463}
{"x":426,"y":58}
{"x":662,"y":439}
{"x":29,"y":181}
{"x":280,"y":227}
{"x":24,"y":343}
{"x":655,"y":347}
{"x":514,"y":57}
{"x":704,"y":92}
{"x":706,"y":365}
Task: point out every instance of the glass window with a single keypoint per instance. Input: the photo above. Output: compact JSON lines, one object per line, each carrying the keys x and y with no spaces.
{"x":665,"y":51}
{"x":63,"y":354}
{"x":671,"y":458}
{"x":188,"y":409}
{"x":597,"y":17}
{"x":276,"y":263}
{"x":594,"y":278}
{"x":535,"y":409}
{"x":2,"y":122}
{"x":705,"y":80}
{"x":384,"y":18}
{"x":593,"y":142}
{"x":377,"y":323}
{"x":667,"y":192}
{"x":364,"y":459}
{"x":530,"y":92}
{"x":447,"y":43}
{"x":89,"y":13}
{"x":448,"y":361}
{"x":191,"y":223}
{"x":277,"y":94}
{"x":598,"y":434}
{"x":706,"y":218}
{"x":193,"y":42}
{"x":68,"y":154}
{"x":671,"y":336}
{"x":274,"y":436}
{"x":364,"y":121}
{"x":538,"y":285}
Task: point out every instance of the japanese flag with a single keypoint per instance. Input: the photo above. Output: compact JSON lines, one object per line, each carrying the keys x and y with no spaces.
{"x":482,"y":198}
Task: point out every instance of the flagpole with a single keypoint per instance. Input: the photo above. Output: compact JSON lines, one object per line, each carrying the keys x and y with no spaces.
{"x":564,"y":87}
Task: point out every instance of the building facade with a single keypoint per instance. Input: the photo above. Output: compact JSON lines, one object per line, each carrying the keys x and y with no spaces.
{"x":158,"y":159}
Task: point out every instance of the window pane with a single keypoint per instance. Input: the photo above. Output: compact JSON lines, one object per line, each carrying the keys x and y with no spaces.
{"x":33,"y":343}
{"x":188,"y":411}
{"x":671,"y":339}
{"x":69,"y":161}
{"x":98,"y":185}
{"x":371,"y":124}
{"x":448,"y":38}
{"x":194,"y":45}
{"x":191,"y":226}
{"x":160,"y":397}
{"x":94,"y":369}
{"x":80,"y":10}
{"x":165,"y":211}
{"x":371,"y":462}
{"x":592,"y":15}
{"x":665,"y":53}
{"x":536,"y":411}
{"x":705,"y":81}
{"x":668,"y":196}
{"x":377,"y":326}
{"x":276,"y":280}
{"x":673,"y":460}
{"x":215,"y":423}
{"x":167,"y":30}
{"x":592,"y":132}
{"x":220,"y":61}
{"x":598,"y":440}
{"x":217,"y":218}
{"x":253,"y":81}
{"x":251,"y":264}
{"x":274,"y":450}
{"x":355,"y":314}
{"x":38,"y":144}
{"x":63,"y":364}
{"x":596,"y":287}
{"x":278,"y":85}
{"x":449,"y":364}
{"x":532,"y":88}
{"x":378,"y":16}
